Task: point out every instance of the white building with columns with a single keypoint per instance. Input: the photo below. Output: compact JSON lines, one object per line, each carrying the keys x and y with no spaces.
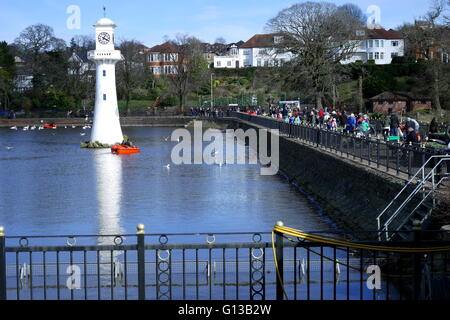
{"x":106,"y":128}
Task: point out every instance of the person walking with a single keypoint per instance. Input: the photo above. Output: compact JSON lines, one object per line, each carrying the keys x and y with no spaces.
{"x":394,"y":123}
{"x":433,"y":126}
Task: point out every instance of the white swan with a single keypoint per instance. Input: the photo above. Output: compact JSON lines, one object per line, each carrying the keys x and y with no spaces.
{"x":13,"y":128}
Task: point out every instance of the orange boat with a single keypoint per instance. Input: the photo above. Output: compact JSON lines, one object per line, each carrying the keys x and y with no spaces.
{"x":50,"y":126}
{"x":124,"y":149}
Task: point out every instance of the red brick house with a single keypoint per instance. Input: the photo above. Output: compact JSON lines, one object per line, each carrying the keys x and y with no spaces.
{"x":163,"y":59}
{"x":399,"y":102}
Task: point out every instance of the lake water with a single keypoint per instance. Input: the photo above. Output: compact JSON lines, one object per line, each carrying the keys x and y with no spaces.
{"x":50,"y":186}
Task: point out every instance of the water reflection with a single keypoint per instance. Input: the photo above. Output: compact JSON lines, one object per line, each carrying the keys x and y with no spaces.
{"x":108,"y":171}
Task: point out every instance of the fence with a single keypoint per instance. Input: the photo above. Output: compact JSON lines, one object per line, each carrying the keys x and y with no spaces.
{"x":375,"y":152}
{"x":241,"y":266}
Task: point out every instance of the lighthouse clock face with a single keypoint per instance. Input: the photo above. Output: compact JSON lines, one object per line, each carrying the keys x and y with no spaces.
{"x":104,"y":38}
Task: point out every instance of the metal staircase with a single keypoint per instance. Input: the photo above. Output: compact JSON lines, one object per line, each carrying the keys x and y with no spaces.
{"x":415,"y":201}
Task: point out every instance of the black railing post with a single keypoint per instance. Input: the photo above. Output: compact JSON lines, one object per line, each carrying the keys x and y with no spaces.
{"x":417,"y":268}
{"x":141,"y":261}
{"x":410,"y":153}
{"x":280,"y":266}
{"x":378,"y":153}
{"x":2,"y":264}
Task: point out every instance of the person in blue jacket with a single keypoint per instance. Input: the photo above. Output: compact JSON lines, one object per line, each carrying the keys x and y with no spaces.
{"x":350,"y":125}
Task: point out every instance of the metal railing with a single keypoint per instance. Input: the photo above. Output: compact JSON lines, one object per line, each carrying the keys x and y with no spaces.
{"x":373,"y":151}
{"x":424,"y":183}
{"x":239,"y":266}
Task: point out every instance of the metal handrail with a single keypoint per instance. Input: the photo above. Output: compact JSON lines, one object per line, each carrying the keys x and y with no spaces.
{"x":417,"y":207}
{"x":421,"y":170}
{"x":420,"y":186}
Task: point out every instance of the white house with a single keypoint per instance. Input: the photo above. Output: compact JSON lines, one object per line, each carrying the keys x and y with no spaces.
{"x":231,"y":60}
{"x":379,"y":45}
{"x":259,"y":51}
{"x":80,"y":66}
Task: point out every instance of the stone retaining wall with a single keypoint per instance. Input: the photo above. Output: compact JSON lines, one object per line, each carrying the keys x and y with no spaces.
{"x":351,"y":194}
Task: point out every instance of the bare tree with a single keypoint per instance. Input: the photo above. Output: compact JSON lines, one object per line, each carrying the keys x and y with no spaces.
{"x":131,"y":70}
{"x":354,"y":11}
{"x":220,"y":40}
{"x":320,"y":36}
{"x":33,"y":43}
{"x":37,"y":39}
{"x":190,"y":67}
{"x":425,"y":38}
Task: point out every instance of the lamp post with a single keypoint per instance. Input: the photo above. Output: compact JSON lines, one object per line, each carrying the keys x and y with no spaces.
{"x":212,"y":91}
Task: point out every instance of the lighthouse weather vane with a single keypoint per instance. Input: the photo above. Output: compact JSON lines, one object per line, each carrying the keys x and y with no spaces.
{"x":104,"y":11}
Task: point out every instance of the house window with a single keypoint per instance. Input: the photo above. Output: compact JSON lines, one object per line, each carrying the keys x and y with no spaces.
{"x":371,"y":56}
{"x":377,"y":56}
{"x":104,"y":73}
{"x":104,"y":97}
{"x":228,"y":63}
{"x":394,"y":43}
{"x":266,"y":63}
{"x":219,"y":64}
{"x":377,"y":43}
{"x":394,"y":54}
{"x":445,"y":57}
{"x":247,"y":52}
{"x":277,"y":39}
{"x":258,"y":62}
{"x":382,"y":55}
{"x":382,"y":43}
{"x":370,"y":44}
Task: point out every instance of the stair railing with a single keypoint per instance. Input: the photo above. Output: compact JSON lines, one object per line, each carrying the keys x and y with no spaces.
{"x":423,"y":180}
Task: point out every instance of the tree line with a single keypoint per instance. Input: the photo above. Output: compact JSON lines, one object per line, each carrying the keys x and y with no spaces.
{"x":320,"y":35}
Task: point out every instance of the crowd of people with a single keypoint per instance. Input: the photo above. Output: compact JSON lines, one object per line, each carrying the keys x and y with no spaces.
{"x":208,"y":112}
{"x":406,"y":129}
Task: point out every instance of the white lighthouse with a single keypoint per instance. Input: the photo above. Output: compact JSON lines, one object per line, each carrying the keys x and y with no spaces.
{"x":106,"y":128}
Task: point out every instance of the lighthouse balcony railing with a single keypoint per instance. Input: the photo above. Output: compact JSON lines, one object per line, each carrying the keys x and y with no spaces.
{"x":104,"y":55}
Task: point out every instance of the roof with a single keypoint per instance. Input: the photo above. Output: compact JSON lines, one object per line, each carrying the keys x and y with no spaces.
{"x":166,"y":47}
{"x":398,"y":96}
{"x":383,"y":34}
{"x":105,"y":22}
{"x":261,"y":41}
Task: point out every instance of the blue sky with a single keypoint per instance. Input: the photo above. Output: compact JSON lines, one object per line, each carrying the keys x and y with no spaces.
{"x":150,"y":20}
